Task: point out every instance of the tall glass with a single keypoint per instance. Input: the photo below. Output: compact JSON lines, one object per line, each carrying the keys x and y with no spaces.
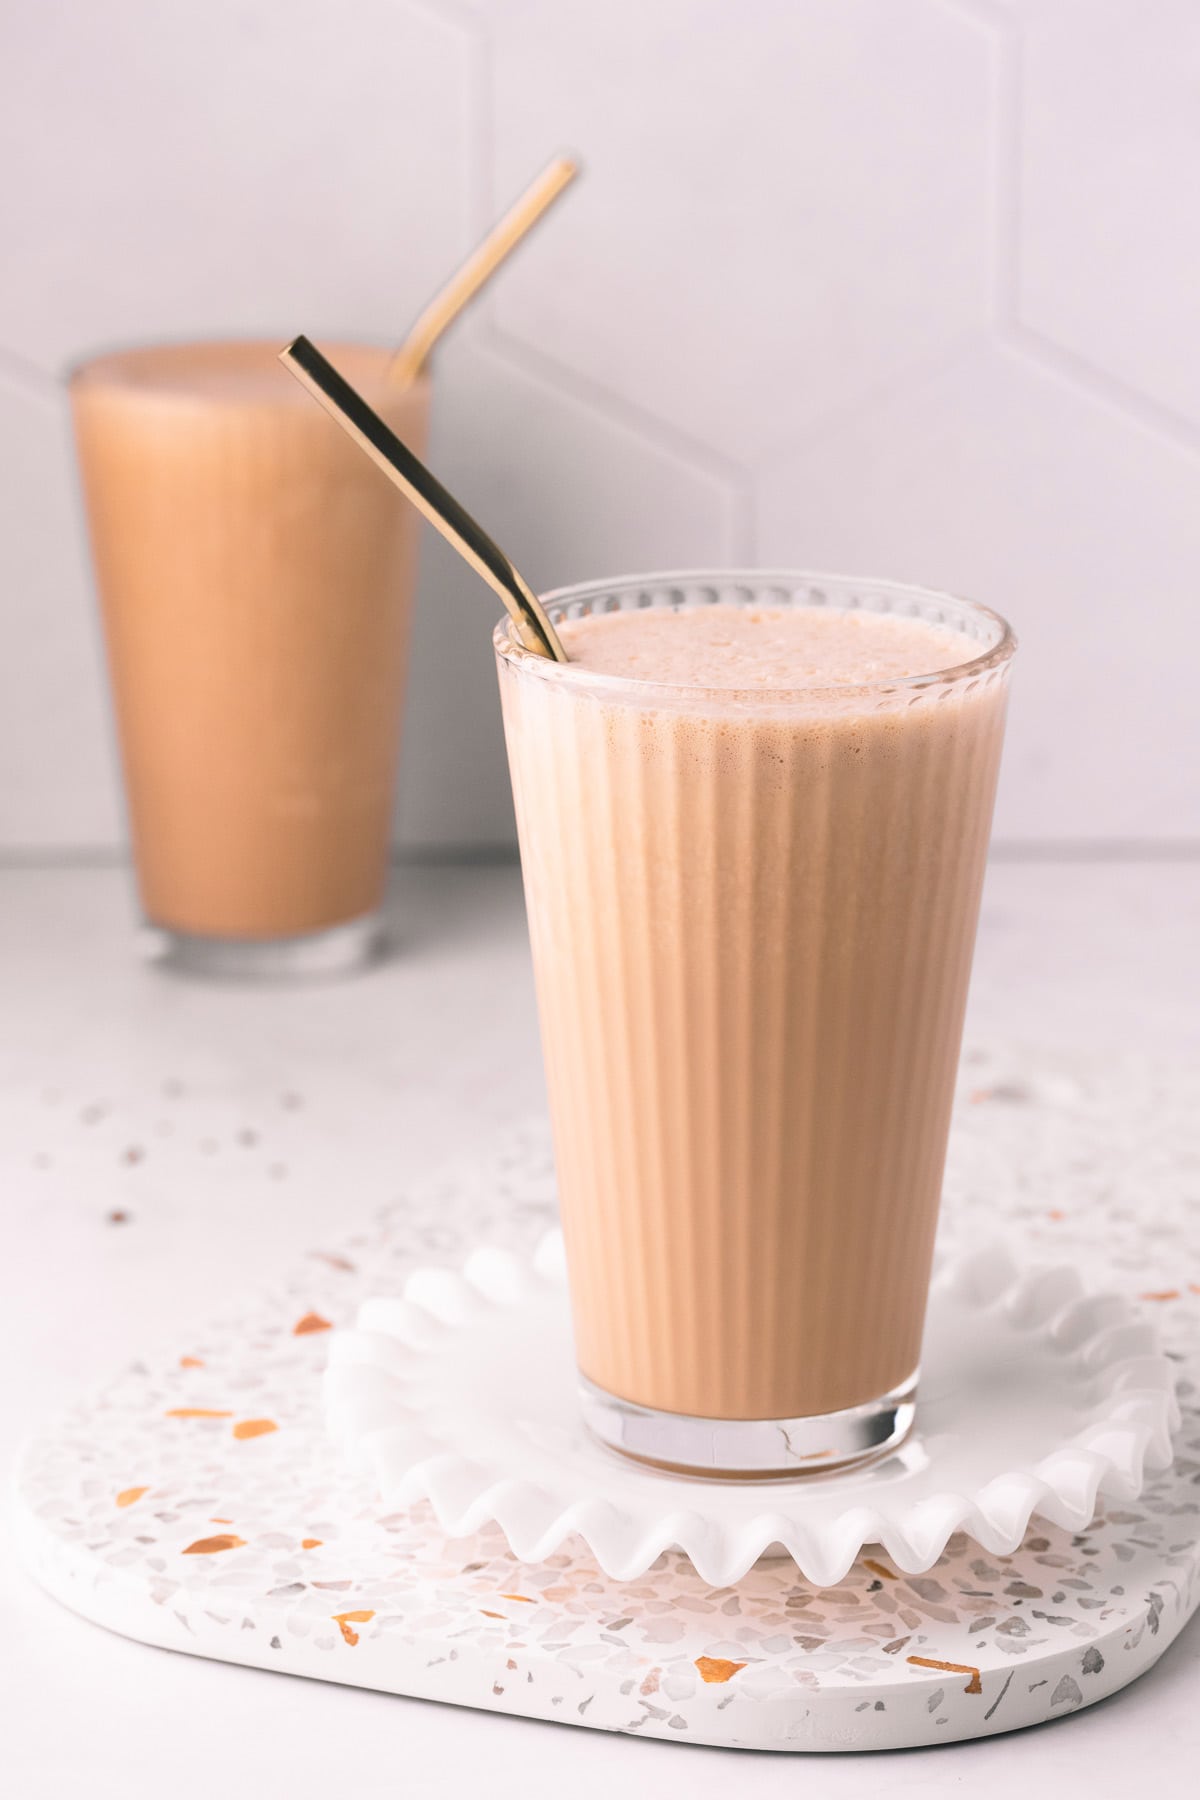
{"x":752,"y":916}
{"x":256,"y":576}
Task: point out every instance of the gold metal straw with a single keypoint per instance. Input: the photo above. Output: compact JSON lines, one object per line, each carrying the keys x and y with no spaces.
{"x":503,"y":238}
{"x":426,"y":492}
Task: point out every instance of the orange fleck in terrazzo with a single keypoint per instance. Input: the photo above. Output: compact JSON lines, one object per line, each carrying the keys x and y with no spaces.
{"x":252,"y":1428}
{"x":490,"y":1615}
{"x":1161,"y":1294}
{"x":974,"y":1686}
{"x":210,"y":1546}
{"x":198,"y":1412}
{"x":878,"y":1568}
{"x":190,"y":1362}
{"x":346,"y":1621}
{"x":524,"y":1598}
{"x":717,"y":1668}
{"x":127,"y":1496}
{"x":311,"y":1543}
{"x":310,"y":1322}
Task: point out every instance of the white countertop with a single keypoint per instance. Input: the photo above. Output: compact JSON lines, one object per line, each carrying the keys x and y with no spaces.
{"x":235,"y":1128}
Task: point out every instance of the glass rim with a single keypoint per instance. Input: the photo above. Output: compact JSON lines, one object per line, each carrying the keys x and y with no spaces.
{"x":115,"y":365}
{"x":572,"y":675}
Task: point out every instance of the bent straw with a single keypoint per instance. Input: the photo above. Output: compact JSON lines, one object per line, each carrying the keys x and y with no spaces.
{"x":303,"y":360}
{"x":482,"y":263}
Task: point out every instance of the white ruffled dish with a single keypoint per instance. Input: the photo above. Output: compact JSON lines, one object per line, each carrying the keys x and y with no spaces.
{"x":1034,"y":1398}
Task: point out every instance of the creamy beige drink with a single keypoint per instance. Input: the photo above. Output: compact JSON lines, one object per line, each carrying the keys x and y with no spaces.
{"x":256,"y":579}
{"x":753,"y":838}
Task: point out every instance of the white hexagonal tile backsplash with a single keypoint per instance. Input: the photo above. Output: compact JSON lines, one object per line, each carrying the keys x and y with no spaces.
{"x":787,"y":204}
{"x":235,"y":166}
{"x":1109,"y":146}
{"x":1000,"y":479}
{"x":58,"y":780}
{"x":904,"y":286}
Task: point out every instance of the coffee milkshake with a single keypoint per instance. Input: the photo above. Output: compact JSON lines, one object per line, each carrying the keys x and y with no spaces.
{"x":256,"y":578}
{"x":753,"y":837}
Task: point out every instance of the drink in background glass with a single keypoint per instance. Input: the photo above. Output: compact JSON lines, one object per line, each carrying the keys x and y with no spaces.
{"x":255,"y":576}
{"x":753,"y":815}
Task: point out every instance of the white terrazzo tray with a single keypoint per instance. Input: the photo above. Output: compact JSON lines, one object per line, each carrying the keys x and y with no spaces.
{"x":197,"y":1501}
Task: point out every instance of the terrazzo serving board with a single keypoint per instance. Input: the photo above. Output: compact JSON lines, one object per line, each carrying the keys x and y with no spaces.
{"x":196,"y":1503}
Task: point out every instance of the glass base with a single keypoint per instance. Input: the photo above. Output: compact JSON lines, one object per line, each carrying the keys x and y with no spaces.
{"x":751,"y":1449}
{"x":338,"y":950}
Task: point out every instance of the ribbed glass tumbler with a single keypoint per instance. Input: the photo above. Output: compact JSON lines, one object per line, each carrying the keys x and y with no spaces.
{"x":752,"y":914}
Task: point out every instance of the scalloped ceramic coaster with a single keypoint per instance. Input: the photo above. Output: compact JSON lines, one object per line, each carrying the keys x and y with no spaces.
{"x":1034,"y":1399}
{"x":198,"y":1502}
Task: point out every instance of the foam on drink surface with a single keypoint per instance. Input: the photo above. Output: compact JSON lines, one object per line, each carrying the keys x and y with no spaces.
{"x":761,"y":647}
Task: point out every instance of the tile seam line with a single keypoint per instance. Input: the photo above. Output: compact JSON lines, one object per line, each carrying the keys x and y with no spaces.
{"x":737,"y":478}
{"x":1006,"y":196}
{"x":1010,"y":330}
{"x":26,"y":377}
{"x":1003,"y":196}
{"x":1078,"y":373}
{"x":740,"y":478}
{"x":609,"y":405}
{"x":984,"y":13}
{"x":454,"y":18}
{"x":912,"y":380}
